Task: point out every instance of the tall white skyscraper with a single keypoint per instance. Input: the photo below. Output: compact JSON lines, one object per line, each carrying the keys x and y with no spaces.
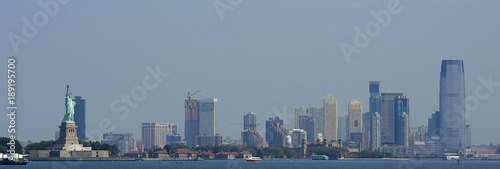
{"x":355,"y":116}
{"x":330,"y":110}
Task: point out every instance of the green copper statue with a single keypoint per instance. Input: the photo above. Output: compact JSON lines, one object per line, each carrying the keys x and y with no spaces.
{"x":69,"y":117}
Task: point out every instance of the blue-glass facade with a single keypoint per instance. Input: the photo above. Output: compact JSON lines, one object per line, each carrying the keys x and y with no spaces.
{"x":80,"y":117}
{"x":452,"y":106}
{"x":173,"y":138}
{"x":374,"y":97}
{"x":401,"y":107}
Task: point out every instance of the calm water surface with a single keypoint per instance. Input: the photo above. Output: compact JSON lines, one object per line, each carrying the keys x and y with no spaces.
{"x":273,"y":164}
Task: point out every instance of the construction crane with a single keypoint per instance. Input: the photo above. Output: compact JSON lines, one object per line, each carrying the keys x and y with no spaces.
{"x":189,"y":95}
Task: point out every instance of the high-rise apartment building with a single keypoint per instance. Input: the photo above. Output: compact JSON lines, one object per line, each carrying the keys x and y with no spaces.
{"x":276,"y":133}
{"x":387,"y":121}
{"x":297,"y":136}
{"x":306,"y":123}
{"x":319,"y":122}
{"x":330,"y":111}
{"x":250,"y":136}
{"x":343,"y":129}
{"x":298,"y":112}
{"x":155,"y":134}
{"x":250,"y":122}
{"x":355,"y":116}
{"x":452,"y":107}
{"x":375,"y":140}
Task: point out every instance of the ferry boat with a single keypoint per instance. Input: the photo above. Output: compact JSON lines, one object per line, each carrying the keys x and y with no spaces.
{"x":319,"y":157}
{"x":253,"y":159}
{"x":18,"y":160}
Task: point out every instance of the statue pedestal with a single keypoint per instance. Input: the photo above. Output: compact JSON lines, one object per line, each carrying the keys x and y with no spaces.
{"x":67,"y":134}
{"x":68,"y":139}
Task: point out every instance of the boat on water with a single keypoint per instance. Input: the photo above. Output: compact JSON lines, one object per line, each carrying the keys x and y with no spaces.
{"x":253,"y":159}
{"x":319,"y":157}
{"x":16,"y":159}
{"x":448,"y":158}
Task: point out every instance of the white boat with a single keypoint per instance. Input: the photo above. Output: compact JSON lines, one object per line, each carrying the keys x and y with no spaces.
{"x":15,"y":159}
{"x":319,"y":157}
{"x":452,"y":158}
{"x":253,"y":159}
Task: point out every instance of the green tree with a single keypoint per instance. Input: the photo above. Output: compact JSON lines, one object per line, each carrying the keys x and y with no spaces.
{"x":113,"y":149}
{"x":274,"y":152}
{"x":182,"y":146}
{"x":168,"y":148}
{"x":5,"y":140}
{"x":3,"y":149}
{"x":39,"y":145}
{"x":331,"y":152}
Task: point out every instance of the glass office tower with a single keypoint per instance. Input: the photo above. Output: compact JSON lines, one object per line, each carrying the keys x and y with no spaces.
{"x":452,"y":106}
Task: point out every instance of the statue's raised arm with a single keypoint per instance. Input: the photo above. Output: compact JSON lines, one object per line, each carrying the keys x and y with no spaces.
{"x":69,"y":117}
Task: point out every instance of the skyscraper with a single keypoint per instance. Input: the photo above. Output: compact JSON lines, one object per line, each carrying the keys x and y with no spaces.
{"x":306,"y":123}
{"x":208,"y":117}
{"x":406,"y":131}
{"x":387,"y":121}
{"x":468,"y":137}
{"x":275,"y":132}
{"x":298,"y":112}
{"x":330,"y":110}
{"x":355,"y":116}
{"x":452,"y":106}
{"x":343,"y":129}
{"x":374,"y":97}
{"x":252,"y":138}
{"x":375,"y":141}
{"x":319,"y":122}
{"x":297,"y":136}
{"x":433,"y":124}
{"x":192,"y":125}
{"x":155,"y":134}
{"x":250,"y":122}
{"x":401,"y":112}
{"x":80,"y":117}
{"x":249,"y":136}
{"x":367,"y":120}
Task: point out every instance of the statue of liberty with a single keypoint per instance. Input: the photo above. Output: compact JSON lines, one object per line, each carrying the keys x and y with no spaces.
{"x":69,"y":117}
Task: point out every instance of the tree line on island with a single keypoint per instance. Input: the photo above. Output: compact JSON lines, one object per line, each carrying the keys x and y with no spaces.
{"x":270,"y":152}
{"x":113,"y":149}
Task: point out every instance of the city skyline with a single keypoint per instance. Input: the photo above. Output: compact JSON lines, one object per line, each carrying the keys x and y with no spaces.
{"x":249,"y":61}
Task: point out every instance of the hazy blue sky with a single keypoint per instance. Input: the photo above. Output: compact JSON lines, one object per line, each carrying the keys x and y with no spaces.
{"x":264,"y":56}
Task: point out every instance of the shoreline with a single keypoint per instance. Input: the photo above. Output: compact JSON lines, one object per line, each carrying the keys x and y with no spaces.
{"x":274,"y":159}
